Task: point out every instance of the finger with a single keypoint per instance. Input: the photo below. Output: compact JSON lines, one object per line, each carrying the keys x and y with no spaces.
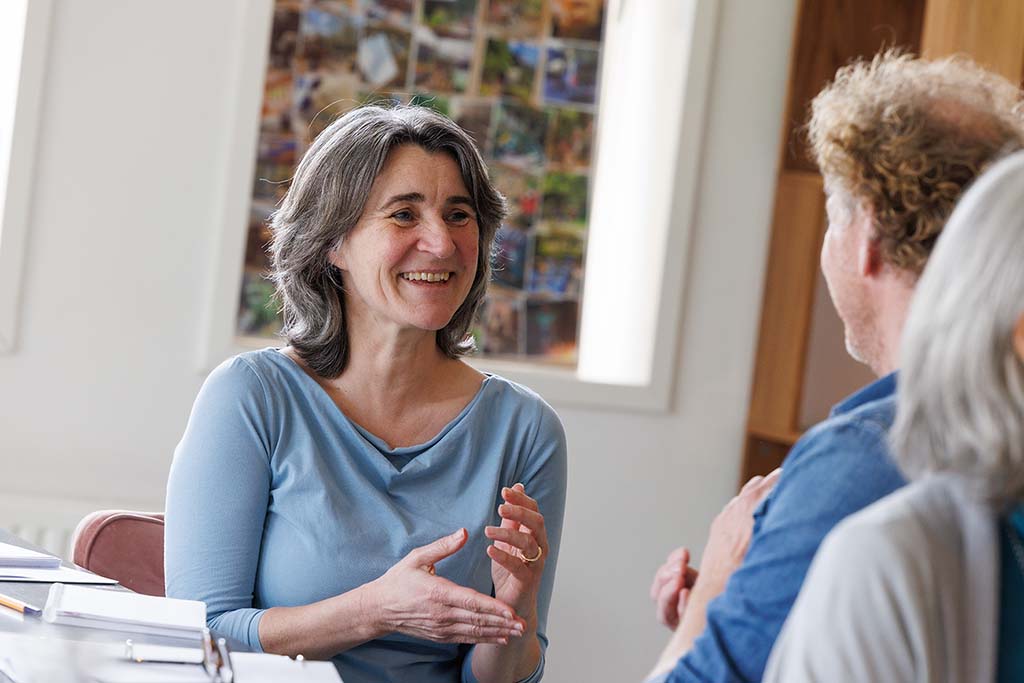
{"x":517,"y":496}
{"x":513,"y":565}
{"x":521,"y":540}
{"x":457,"y":615}
{"x":752,"y":483}
{"x":765,"y":486}
{"x":429,"y":554}
{"x":471,"y":633}
{"x":667,"y":602}
{"x":684,"y":598}
{"x":454,"y":595}
{"x":531,"y":519}
{"x":664,"y":574}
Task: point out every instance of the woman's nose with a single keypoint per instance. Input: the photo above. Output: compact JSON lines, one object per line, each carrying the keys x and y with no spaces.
{"x":436,"y":238}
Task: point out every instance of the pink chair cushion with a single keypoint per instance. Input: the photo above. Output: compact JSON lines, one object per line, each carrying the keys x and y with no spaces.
{"x":123,"y":545}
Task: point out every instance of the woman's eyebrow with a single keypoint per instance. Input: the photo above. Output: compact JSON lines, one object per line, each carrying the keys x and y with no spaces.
{"x":460,"y":199}
{"x":407,"y":197}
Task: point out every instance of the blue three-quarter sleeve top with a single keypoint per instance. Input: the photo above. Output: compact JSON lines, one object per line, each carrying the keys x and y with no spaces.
{"x":275,"y":498}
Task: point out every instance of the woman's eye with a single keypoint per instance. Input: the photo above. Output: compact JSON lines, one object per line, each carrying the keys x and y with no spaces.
{"x":458,"y":217}
{"x":403,"y":216}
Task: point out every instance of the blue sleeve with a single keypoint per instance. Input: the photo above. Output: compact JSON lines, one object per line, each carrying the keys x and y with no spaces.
{"x":217,"y":498}
{"x":544,"y":476}
{"x":831,"y":473}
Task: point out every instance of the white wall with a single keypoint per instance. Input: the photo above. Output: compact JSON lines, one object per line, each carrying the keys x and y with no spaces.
{"x":127,"y":198}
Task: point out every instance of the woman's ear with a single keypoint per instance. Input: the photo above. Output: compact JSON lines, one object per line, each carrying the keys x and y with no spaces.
{"x":1018,"y":337}
{"x":336,"y":257}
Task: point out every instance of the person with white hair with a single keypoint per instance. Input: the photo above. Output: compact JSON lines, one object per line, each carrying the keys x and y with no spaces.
{"x":927,"y":585}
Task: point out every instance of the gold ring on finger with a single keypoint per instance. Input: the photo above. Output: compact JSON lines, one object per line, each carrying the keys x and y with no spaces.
{"x":528,"y":560}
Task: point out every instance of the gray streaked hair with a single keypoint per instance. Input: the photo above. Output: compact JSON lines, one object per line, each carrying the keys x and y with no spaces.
{"x":325,"y":201}
{"x":961,"y":394}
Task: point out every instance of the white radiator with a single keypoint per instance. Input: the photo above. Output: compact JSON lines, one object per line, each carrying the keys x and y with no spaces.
{"x":47,"y":521}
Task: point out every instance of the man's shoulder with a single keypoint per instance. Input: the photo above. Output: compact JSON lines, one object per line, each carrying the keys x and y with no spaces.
{"x":857,"y":438}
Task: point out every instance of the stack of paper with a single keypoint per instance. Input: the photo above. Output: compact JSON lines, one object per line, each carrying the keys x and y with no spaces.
{"x":16,"y":556}
{"x":124,"y":611}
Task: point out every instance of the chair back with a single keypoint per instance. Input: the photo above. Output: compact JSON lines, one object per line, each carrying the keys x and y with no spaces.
{"x":123,"y":545}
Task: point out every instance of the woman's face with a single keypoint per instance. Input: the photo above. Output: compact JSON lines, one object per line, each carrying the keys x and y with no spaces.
{"x":410,"y":260}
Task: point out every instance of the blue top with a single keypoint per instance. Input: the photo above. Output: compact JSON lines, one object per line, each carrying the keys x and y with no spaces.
{"x":839,"y":467}
{"x":275,"y":498}
{"x":1010,"y":664}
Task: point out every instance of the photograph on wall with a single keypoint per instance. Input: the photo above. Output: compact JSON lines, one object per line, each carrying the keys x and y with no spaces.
{"x":328,"y":38}
{"x":501,"y":325}
{"x":519,"y":135}
{"x":392,"y":12}
{"x":570,"y":138}
{"x":276,"y":113}
{"x":474,"y":115}
{"x":450,"y":18}
{"x":515,"y":18}
{"x":384,"y":56}
{"x":522,"y":192}
{"x":442,"y":64}
{"x":577,"y":19}
{"x":570,"y":75}
{"x":565,"y":199}
{"x":509,"y":69}
{"x":257,"y":313}
{"x":284,"y":34}
{"x":510,"y":254}
{"x":557,"y":264}
{"x":551,"y":329}
{"x":276,"y":157}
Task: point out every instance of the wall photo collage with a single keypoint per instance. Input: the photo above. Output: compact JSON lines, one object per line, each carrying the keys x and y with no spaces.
{"x":520,"y":76}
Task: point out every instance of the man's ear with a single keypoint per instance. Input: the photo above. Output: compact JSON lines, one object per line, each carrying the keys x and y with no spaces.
{"x":869,"y":252}
{"x":1018,"y":337}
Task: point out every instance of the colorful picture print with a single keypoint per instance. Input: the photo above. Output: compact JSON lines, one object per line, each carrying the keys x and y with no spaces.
{"x":322,"y":96}
{"x":509,"y":69}
{"x":501,"y":325}
{"x":384,"y":57}
{"x":443,"y":64}
{"x":557,"y":268}
{"x":276,"y":158}
{"x":284,"y":35}
{"x":450,"y":18}
{"x":519,"y":135}
{"x":257,"y":312}
{"x":474,"y":116}
{"x":522,"y":192}
{"x":276,"y":114}
{"x":551,"y":329}
{"x":565,"y":199}
{"x":508,"y":263}
{"x":515,"y":18}
{"x":570,"y":75}
{"x":329,"y":37}
{"x":393,"y":12}
{"x":570,"y":137}
{"x":577,"y":19}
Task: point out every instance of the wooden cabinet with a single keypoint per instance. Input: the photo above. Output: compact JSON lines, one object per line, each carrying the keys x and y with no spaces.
{"x":801,"y":362}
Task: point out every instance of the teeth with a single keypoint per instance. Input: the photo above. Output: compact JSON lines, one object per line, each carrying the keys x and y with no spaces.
{"x":427,"y":277}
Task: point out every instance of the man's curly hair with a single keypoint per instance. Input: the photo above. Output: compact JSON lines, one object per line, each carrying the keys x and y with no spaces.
{"x":905,"y":136}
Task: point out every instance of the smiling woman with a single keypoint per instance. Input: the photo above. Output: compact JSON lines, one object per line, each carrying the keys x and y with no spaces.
{"x":354,"y":452}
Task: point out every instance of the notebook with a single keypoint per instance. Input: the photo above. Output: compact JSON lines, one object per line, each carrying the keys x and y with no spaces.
{"x":16,"y":556}
{"x":124,"y":611}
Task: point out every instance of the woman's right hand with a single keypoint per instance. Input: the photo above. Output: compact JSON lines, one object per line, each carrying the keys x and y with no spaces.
{"x":410,"y":599}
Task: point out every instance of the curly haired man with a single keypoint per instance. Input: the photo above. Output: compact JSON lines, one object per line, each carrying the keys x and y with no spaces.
{"x":897,"y":140}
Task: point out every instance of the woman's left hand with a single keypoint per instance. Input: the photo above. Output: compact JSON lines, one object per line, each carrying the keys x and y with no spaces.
{"x":520,"y":538}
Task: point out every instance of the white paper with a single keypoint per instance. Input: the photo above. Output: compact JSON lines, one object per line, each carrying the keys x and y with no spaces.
{"x":16,"y":556}
{"x":257,"y":667}
{"x":59,"y":575}
{"x":124,"y":611}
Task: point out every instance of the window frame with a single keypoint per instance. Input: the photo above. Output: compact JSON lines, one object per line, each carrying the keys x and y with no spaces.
{"x":17,"y":193}
{"x":557,"y":385}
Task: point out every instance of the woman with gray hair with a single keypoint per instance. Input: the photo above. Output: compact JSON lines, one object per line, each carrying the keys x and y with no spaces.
{"x":928,"y":584}
{"x":313,"y":496}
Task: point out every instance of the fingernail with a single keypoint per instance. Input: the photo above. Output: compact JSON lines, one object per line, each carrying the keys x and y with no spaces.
{"x":518,"y":627}
{"x":503,"y":641}
{"x":507,"y":615}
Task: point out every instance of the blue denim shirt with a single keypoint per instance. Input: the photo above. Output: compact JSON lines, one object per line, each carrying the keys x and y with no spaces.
{"x":839,"y":467}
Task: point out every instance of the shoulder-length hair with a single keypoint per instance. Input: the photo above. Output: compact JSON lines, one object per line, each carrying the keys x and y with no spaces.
{"x":325,"y":201}
{"x":961,"y":394}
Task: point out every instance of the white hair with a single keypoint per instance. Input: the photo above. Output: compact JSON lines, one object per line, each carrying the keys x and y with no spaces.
{"x":961,"y":387}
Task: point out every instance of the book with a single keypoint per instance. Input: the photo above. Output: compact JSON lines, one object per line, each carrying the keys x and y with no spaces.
{"x":22,"y":558}
{"x":124,"y":611}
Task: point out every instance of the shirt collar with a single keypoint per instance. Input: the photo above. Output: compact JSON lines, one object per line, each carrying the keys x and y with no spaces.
{"x":877,"y":390}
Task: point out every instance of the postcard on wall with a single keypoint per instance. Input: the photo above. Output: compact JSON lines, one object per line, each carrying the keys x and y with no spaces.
{"x":570,"y":137}
{"x":565,"y":199}
{"x":577,"y":19}
{"x":501,"y":325}
{"x":519,"y":136}
{"x":515,"y":18}
{"x":450,"y":18}
{"x":508,"y":263}
{"x":557,"y":264}
{"x":509,"y":69}
{"x":551,"y":329}
{"x":442,"y":64}
{"x":570,"y":75}
{"x":392,"y":12}
{"x":522,"y":192}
